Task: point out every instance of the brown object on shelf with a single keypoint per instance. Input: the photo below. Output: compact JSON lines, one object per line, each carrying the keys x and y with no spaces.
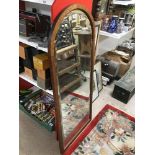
{"x":44,"y":84}
{"x":22,"y":50}
{"x":126,"y":50}
{"x":124,"y":61}
{"x":41,"y":61}
{"x":44,"y":74}
{"x":28,"y":72}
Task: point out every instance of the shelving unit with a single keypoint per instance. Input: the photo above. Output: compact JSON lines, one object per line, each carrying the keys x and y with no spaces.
{"x":131,"y":2}
{"x":33,"y":44}
{"x":116,"y":35}
{"x":70,"y":83}
{"x":61,"y":72}
{"x":109,"y":41}
{"x":68,"y":48}
{"x":28,"y":79}
{"x":65,"y":79}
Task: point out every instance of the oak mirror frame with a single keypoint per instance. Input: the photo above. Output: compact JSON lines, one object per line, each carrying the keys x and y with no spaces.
{"x":61,"y":94}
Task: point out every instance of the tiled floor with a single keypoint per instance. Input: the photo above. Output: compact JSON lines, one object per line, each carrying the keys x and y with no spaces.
{"x":35,"y":140}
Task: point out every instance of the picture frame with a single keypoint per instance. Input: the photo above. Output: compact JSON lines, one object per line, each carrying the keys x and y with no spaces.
{"x":97,"y":68}
{"x":97,"y":30}
{"x":95,"y":87}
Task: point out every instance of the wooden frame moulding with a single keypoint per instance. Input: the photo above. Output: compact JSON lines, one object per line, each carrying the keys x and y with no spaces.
{"x":53,"y":66}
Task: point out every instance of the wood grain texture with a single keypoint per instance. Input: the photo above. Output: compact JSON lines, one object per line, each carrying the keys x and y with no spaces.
{"x":53,"y":65}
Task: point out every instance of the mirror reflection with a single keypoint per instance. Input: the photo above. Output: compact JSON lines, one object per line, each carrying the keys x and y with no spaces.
{"x":73,"y":53}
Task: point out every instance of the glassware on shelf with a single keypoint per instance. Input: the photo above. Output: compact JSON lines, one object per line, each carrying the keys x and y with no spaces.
{"x":105,"y":24}
{"x":127,"y":27}
{"x":113,"y":24}
{"x":120,"y":26}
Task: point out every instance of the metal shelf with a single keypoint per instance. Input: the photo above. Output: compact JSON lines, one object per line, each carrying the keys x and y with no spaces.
{"x":28,"y":79}
{"x":131,"y":2}
{"x":116,"y":35}
{"x":45,"y":2}
{"x":33,"y":44}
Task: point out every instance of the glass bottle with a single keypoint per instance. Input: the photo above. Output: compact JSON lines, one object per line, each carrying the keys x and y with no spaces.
{"x":113,"y":24}
{"x":105,"y":24}
{"x":120,"y":26}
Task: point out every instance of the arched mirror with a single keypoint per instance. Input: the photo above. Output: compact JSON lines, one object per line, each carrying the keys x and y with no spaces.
{"x":71,"y":55}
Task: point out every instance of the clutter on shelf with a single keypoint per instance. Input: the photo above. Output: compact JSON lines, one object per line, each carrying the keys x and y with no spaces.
{"x":35,"y":26}
{"x":34,"y":63}
{"x":65,"y":35}
{"x":117,"y":24}
{"x":117,"y":62}
{"x":128,"y":46}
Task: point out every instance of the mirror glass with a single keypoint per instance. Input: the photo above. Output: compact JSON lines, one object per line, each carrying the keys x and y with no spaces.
{"x":73,"y":46}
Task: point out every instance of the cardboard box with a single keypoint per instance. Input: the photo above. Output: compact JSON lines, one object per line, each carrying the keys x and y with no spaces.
{"x":41,"y":61}
{"x":22,"y":48}
{"x":44,"y":74}
{"x":45,"y":84}
{"x":28,"y":72}
{"x":125,"y":62}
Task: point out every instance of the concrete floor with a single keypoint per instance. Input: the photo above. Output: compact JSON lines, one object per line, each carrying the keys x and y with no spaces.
{"x":36,"y":140}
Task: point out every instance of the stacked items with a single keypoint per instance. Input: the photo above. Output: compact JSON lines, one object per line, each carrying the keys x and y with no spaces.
{"x":41,"y":64}
{"x":34,"y":25}
{"x":127,"y":46}
{"x":26,"y":54}
{"x":116,"y":24}
{"x":35,"y":65}
{"x":117,"y":62}
{"x":64,"y":36}
{"x":22,"y":56}
{"x":40,"y":105}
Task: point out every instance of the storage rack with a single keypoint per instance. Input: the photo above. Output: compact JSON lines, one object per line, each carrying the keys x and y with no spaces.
{"x":54,"y":8}
{"x":25,"y":40}
{"x":109,"y":41}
